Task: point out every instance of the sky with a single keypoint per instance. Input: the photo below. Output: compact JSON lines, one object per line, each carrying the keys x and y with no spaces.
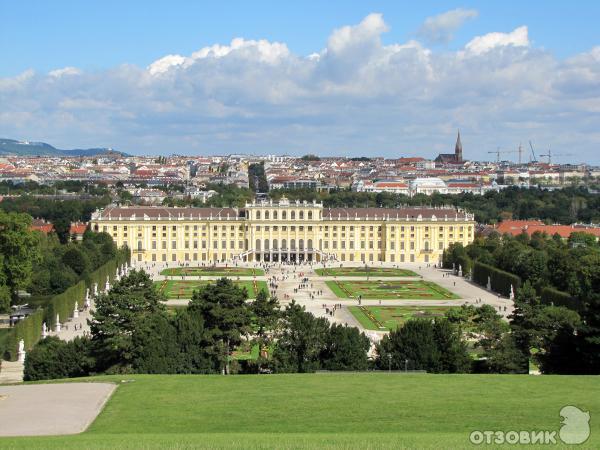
{"x":382,"y":78}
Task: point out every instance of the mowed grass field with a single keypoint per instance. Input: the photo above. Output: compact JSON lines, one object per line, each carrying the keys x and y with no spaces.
{"x":391,"y":317}
{"x":390,"y":290}
{"x":217,"y":271}
{"x":174,"y":289}
{"x":362,"y":272}
{"x":338,"y":411}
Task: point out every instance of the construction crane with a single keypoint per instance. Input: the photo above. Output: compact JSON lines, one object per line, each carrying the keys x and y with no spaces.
{"x":534,"y":159}
{"x":499,"y":152}
{"x":549,"y":155}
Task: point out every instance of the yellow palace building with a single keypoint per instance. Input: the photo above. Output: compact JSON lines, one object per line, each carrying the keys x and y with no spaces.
{"x":285,"y":231}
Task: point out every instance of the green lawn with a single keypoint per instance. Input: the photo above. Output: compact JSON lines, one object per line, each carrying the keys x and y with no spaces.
{"x":390,"y":290}
{"x":338,"y":411}
{"x":391,"y":317}
{"x":213,"y":271}
{"x":174,"y":289}
{"x":247,"y":351}
{"x":362,"y":272}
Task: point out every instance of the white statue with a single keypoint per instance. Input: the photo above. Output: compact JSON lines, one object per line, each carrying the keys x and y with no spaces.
{"x":512,"y":292}
{"x":107,"y":286}
{"x":489,"y":284}
{"x":57,"y":329}
{"x":76,"y":311}
{"x":44,"y":330}
{"x":460,"y":274}
{"x":87,"y":294}
{"x":95,"y":289}
{"x":21,"y":352}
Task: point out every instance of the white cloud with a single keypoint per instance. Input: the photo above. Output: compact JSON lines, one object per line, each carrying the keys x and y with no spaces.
{"x":441,"y":28}
{"x":262,"y":50}
{"x":481,"y":44}
{"x":367,"y":32}
{"x":356,"y":96}
{"x":165,"y":63}
{"x":64,"y":71}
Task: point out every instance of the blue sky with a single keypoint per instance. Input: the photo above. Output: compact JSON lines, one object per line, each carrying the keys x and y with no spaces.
{"x":429,"y":80}
{"x":46,"y":35}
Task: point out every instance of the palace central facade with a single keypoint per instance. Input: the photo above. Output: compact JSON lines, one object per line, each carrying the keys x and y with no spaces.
{"x":285,"y":231}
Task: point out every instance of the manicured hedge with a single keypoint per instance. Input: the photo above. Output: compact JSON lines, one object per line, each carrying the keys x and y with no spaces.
{"x":30,"y":329}
{"x":551,"y":296}
{"x":501,"y":281}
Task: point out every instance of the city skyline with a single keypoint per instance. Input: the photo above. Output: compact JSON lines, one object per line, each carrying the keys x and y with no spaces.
{"x":361,"y":83}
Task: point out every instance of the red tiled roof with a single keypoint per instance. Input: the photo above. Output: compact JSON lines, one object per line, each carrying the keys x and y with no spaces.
{"x":42,"y":226}
{"x":516,"y":227}
{"x":78,"y":228}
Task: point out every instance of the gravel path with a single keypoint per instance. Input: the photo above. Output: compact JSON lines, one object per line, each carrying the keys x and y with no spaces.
{"x":51,"y":409}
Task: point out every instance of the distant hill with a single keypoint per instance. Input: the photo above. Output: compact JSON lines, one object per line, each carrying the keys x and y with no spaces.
{"x":28,"y":148}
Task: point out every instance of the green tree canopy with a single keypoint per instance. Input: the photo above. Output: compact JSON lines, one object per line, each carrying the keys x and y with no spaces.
{"x":117,"y":315}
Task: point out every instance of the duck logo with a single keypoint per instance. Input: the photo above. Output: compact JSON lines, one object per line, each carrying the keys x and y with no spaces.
{"x":575,"y":425}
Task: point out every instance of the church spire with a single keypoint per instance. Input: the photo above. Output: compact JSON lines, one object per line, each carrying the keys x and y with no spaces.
{"x":458,"y":149}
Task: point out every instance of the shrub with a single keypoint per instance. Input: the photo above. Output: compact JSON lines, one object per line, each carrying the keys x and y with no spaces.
{"x":53,"y":358}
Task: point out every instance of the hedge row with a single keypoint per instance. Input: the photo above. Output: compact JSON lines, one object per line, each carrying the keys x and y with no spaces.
{"x":30,"y":329}
{"x":551,"y":296}
{"x":501,"y":281}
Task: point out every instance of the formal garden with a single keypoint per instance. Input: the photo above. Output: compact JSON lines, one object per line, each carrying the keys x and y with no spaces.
{"x":390,"y":290}
{"x":212,"y":271}
{"x":176,"y":289}
{"x":385,"y":318}
{"x":365,"y":272}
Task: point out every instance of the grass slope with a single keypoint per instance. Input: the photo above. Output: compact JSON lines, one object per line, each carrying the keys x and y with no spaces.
{"x":364,"y":410}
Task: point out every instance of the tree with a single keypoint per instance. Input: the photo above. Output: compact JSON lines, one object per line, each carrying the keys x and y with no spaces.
{"x":345,"y":349}
{"x":503,"y":356}
{"x":53,"y":358}
{"x":554,"y":333}
{"x":266,"y":313}
{"x":192,"y":344}
{"x":155,"y":345}
{"x":257,"y":177}
{"x":117,"y":315}
{"x":226,"y":315}
{"x":424,"y":345}
{"x":300,"y":341}
{"x":4,"y":297}
{"x":588,"y":335}
{"x":18,"y":247}
{"x":76,"y":260}
{"x":526,"y":304}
